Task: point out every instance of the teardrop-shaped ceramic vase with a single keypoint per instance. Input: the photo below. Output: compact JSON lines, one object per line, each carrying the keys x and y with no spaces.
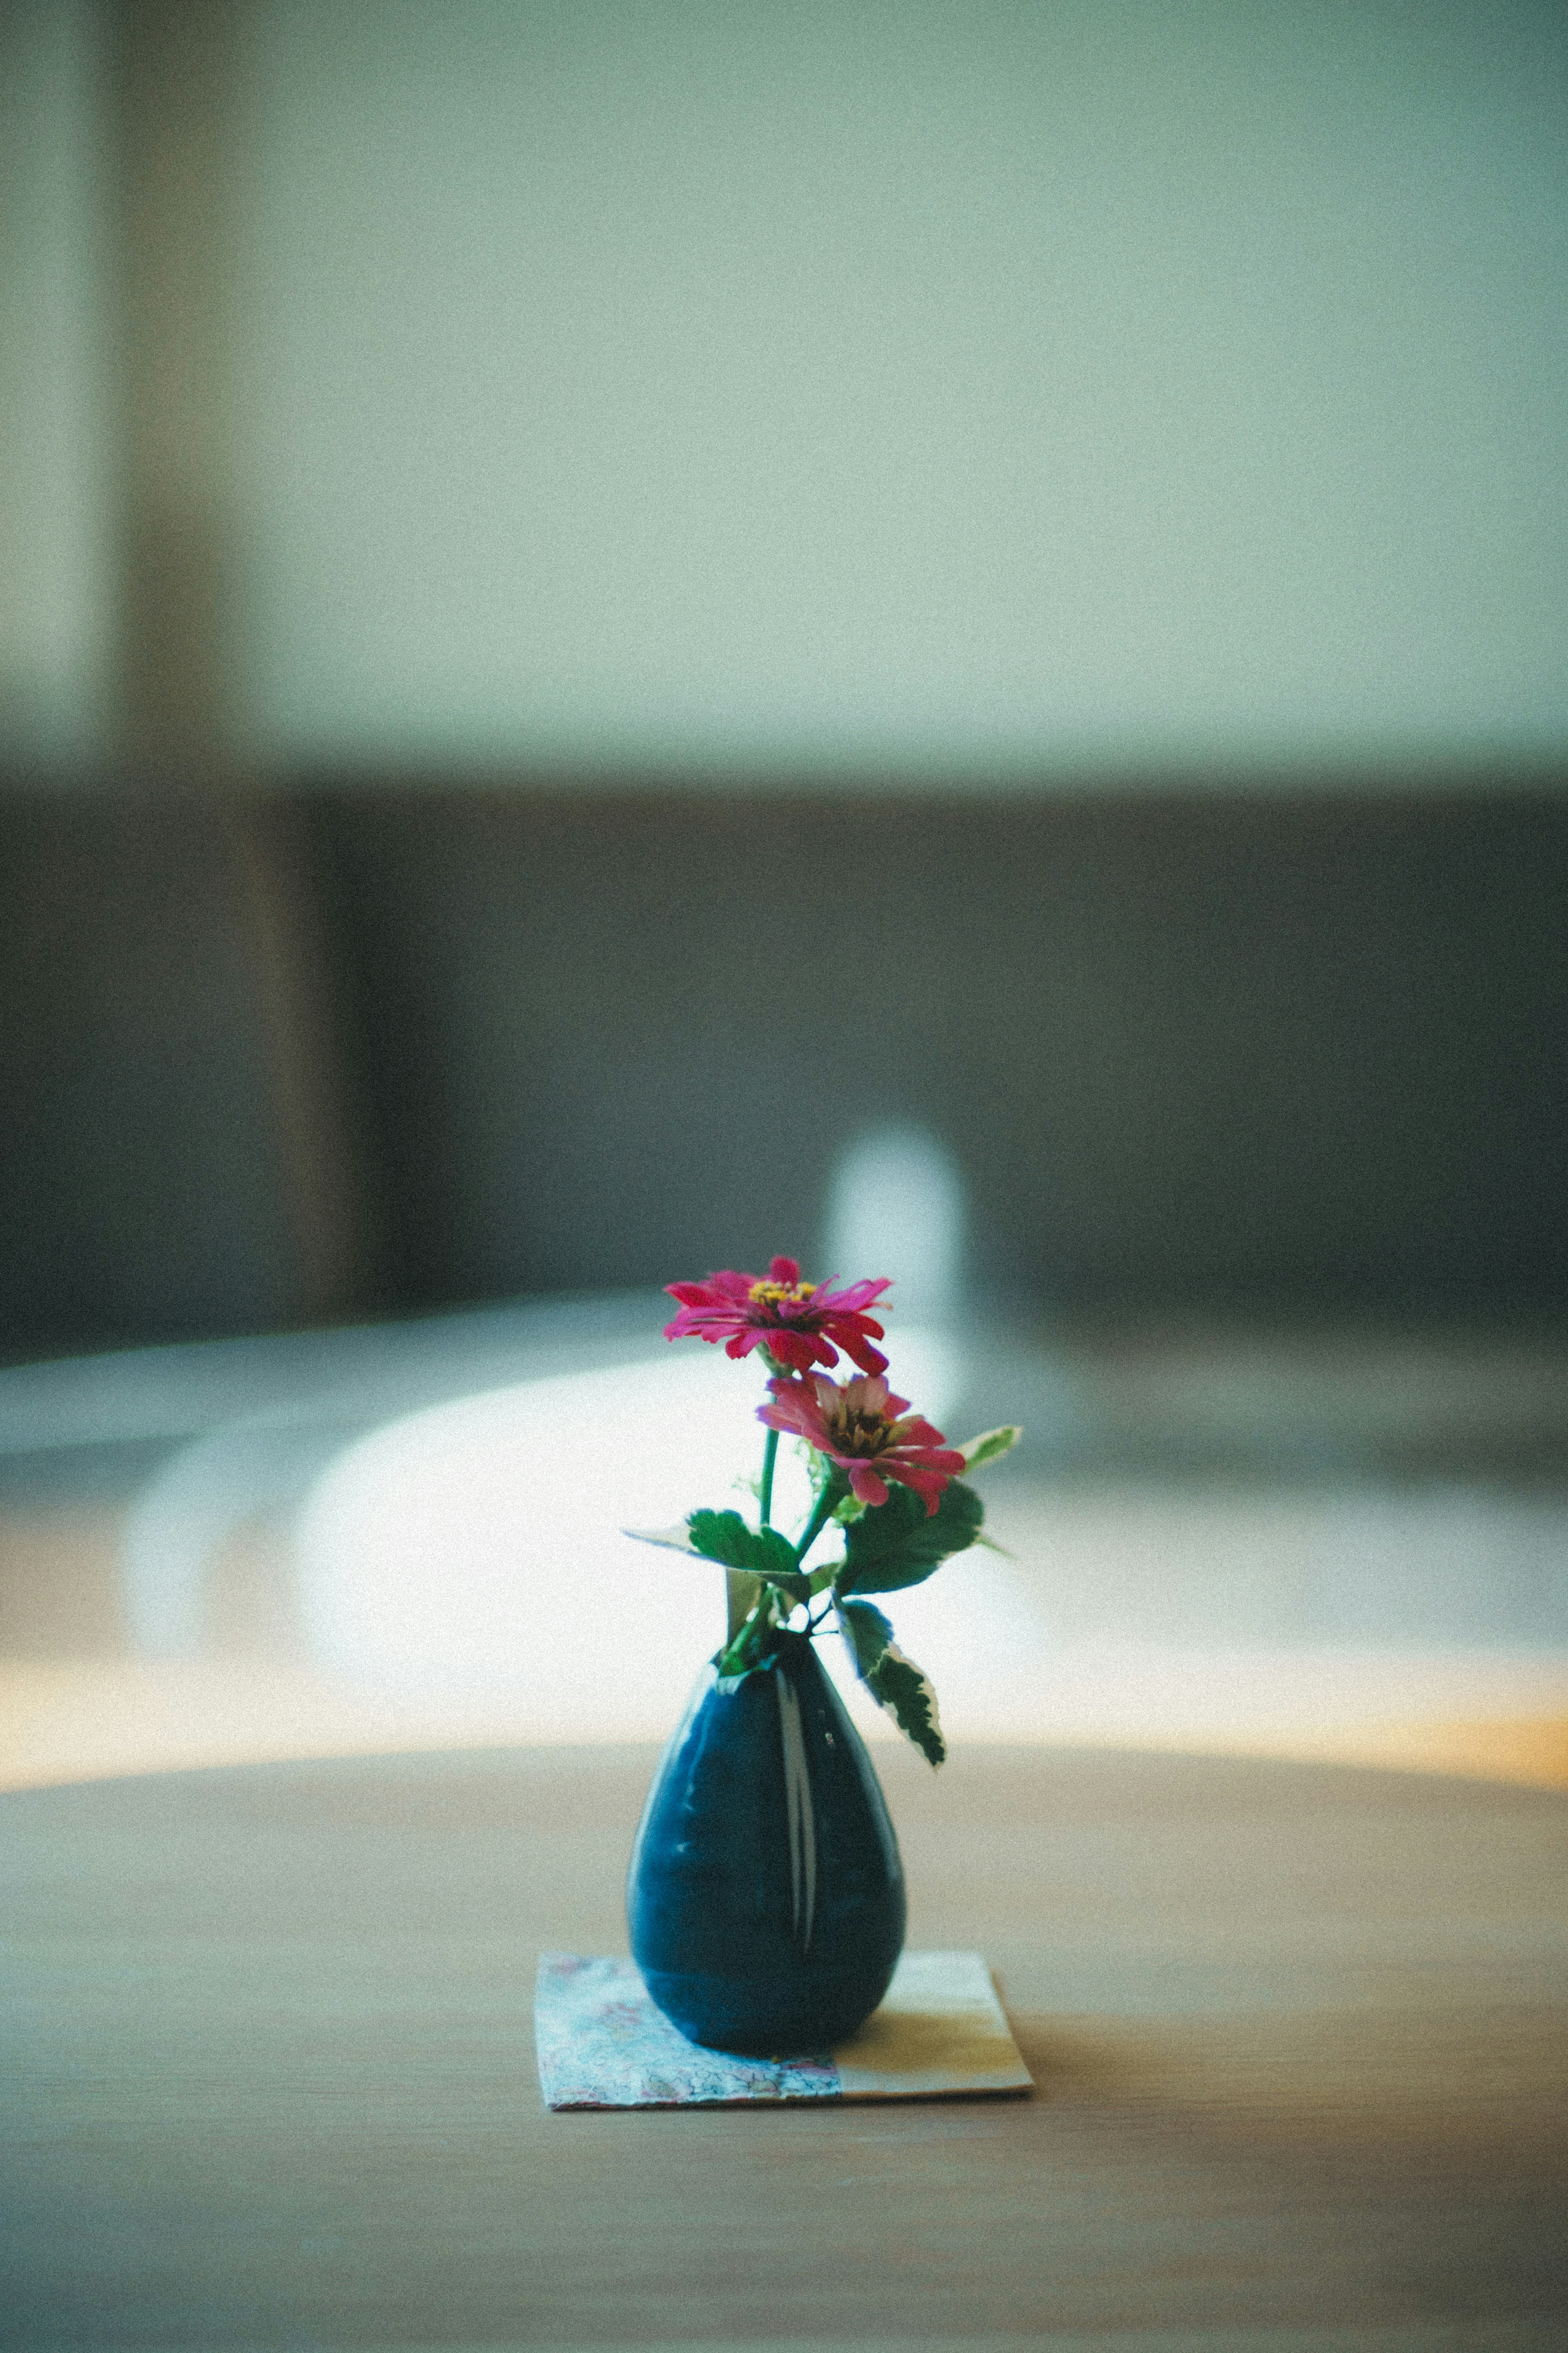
{"x":766,"y":1897}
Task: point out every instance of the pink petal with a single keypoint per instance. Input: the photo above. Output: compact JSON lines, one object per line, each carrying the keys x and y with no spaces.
{"x":913,"y":1430}
{"x":732,"y":1285}
{"x":856,"y":1295}
{"x":927,"y":1484}
{"x":795,"y":1415}
{"x":796,"y":1348}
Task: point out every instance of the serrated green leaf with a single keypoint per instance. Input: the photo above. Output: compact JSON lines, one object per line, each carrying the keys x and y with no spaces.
{"x":990,"y":1446}
{"x":676,"y":1539}
{"x":895,"y":1544}
{"x":906,"y":1693}
{"x":724,"y":1536}
{"x":867,"y":1633}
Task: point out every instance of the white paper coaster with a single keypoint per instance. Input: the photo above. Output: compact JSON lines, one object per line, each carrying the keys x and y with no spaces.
{"x":939,"y":2033}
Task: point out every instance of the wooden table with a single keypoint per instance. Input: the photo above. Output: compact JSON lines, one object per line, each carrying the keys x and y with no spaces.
{"x":1297,"y":2030}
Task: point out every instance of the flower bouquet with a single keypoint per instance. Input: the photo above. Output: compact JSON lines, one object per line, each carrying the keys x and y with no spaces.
{"x":767,"y":1900}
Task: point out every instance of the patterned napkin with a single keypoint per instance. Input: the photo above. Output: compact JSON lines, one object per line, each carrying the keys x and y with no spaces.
{"x":602,"y":2044}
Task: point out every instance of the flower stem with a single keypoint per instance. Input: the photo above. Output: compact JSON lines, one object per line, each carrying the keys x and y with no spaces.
{"x":744,"y":1648}
{"x":742,"y":1592}
{"x":834,"y":1489}
{"x":770,"y":1456}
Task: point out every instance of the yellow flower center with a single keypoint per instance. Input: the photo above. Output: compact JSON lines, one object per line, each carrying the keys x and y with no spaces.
{"x":860,"y":1434}
{"x":780,"y":1294}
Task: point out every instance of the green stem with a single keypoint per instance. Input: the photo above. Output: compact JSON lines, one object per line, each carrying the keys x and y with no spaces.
{"x":741,"y":1651}
{"x":834,"y":1487}
{"x":743,"y":1593}
{"x":770,"y":1456}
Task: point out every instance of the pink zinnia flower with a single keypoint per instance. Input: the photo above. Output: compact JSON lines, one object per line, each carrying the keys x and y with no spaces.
{"x":858,"y":1427}
{"x":797,"y":1323}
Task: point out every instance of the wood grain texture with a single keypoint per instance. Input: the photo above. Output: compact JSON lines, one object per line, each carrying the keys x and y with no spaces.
{"x":269,"y":2074}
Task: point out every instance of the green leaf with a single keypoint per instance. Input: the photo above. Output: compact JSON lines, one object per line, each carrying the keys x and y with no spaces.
{"x":906,"y":1693}
{"x":895,"y":1544}
{"x":990,"y":1446}
{"x":724,"y":1536}
{"x":676,"y":1539}
{"x":893,"y":1681}
{"x":867,"y":1633}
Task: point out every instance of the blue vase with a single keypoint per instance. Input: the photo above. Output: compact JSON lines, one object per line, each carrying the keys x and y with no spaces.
{"x":766,"y":1897}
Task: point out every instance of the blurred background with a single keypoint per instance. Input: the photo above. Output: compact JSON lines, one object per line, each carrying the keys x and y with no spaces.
{"x":636,"y":636}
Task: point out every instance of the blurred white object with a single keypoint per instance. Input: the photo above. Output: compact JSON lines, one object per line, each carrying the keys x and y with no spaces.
{"x":479,"y":1547}
{"x":476,"y":1550}
{"x":183,"y":1517}
{"x":896,"y":1207}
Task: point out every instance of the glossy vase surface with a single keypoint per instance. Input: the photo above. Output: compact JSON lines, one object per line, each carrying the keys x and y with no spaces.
{"x":766,"y":1897}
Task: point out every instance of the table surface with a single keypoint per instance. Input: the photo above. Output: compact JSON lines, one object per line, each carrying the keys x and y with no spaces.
{"x":1298,"y":2031}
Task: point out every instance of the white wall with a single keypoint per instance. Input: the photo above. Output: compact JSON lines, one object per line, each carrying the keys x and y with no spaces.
{"x":827,"y":387}
{"x":984,"y":389}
